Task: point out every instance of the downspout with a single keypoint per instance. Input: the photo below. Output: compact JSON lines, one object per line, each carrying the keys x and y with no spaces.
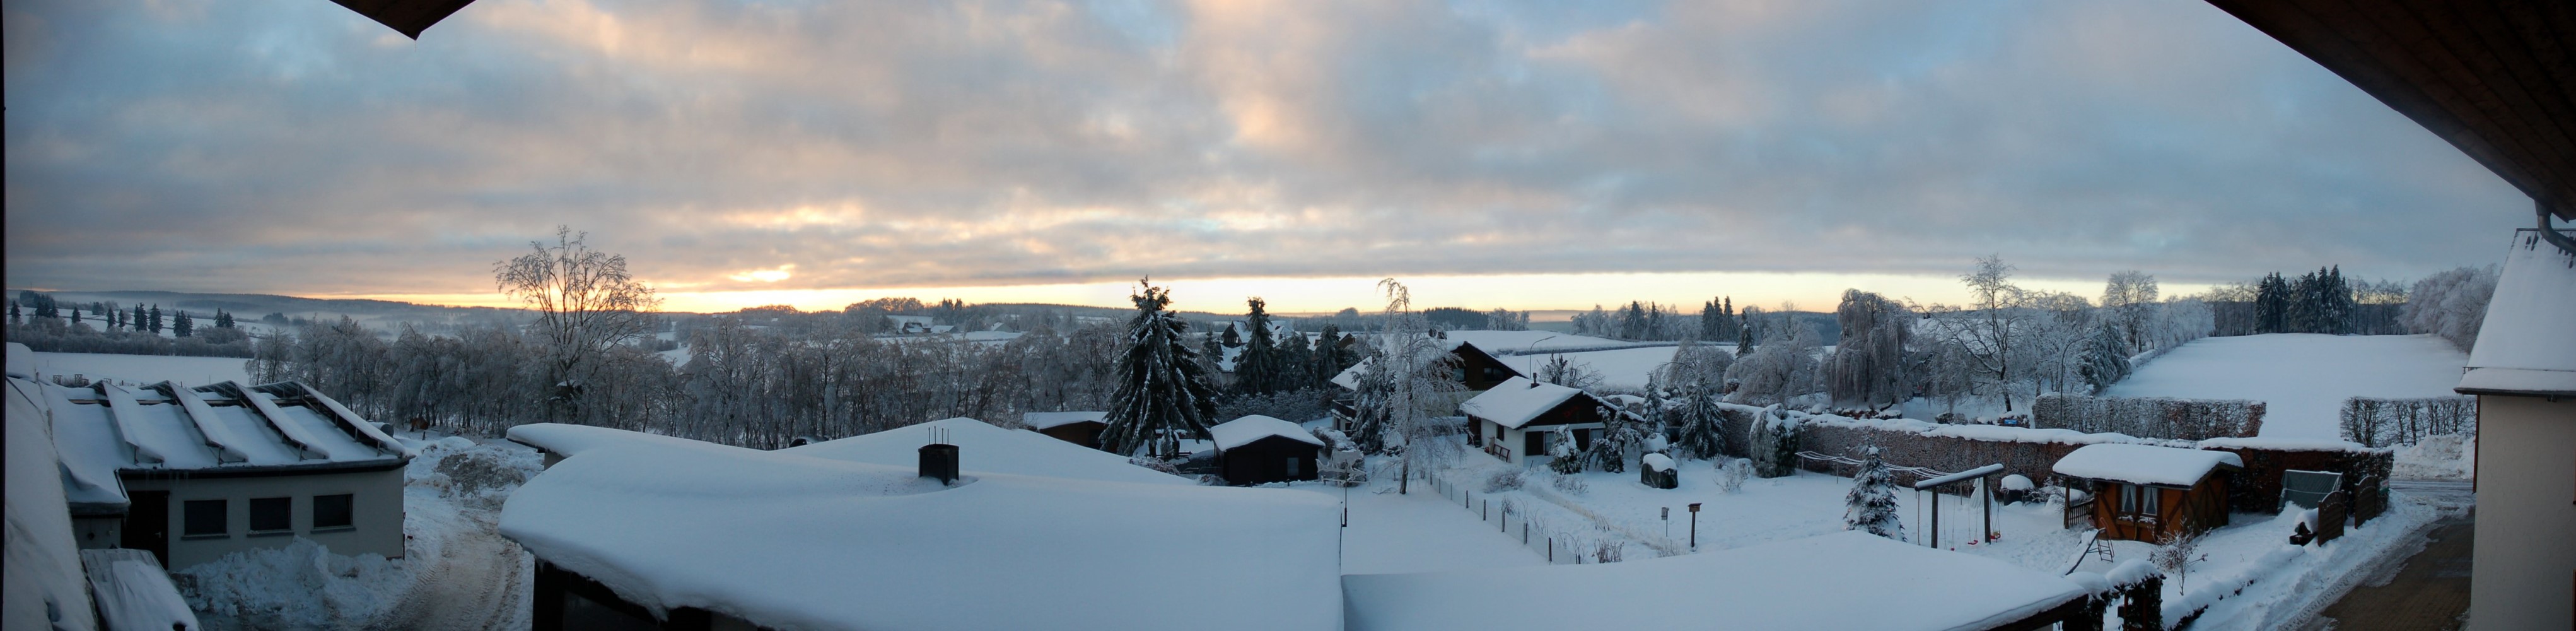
{"x":2551,"y":234}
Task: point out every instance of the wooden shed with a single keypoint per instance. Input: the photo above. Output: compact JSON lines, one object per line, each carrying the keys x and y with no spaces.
{"x":2146,"y":493}
{"x":1080,"y":428}
{"x":1259,"y":449}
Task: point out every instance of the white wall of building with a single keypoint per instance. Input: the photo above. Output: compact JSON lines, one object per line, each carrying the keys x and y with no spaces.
{"x":2524,"y":574}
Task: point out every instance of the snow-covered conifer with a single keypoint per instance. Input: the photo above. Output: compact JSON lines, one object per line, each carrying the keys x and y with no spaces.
{"x":1871,"y":505}
{"x":1162,"y":394}
{"x":2105,"y":360}
{"x":1702,"y":430}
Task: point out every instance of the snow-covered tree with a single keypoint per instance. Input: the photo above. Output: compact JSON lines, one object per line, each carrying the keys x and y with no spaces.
{"x":1256,"y":370}
{"x":1162,"y":393}
{"x":181,"y":326}
{"x":1868,"y":366}
{"x":2130,"y":299}
{"x":1563,"y":458}
{"x":1784,"y":367}
{"x":1775,"y":443}
{"x":1405,"y":386}
{"x":2105,"y":359}
{"x":1991,"y":328}
{"x":1871,"y":505}
{"x":1703,"y":424}
{"x":1620,"y":435}
{"x":2451,"y":304}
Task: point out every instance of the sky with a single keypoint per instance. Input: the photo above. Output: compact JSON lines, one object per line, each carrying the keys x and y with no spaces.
{"x":1538,"y":155}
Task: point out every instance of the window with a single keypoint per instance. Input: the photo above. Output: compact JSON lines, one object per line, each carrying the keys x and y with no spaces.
{"x":332,"y":511}
{"x":272,"y":514}
{"x":1293,"y":469}
{"x":206,"y":518}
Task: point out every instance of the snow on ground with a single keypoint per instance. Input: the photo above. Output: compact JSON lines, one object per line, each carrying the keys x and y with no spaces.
{"x":1622,"y":369}
{"x":2284,"y":586}
{"x":1416,"y":532}
{"x":2305,"y":377}
{"x":144,"y":369}
{"x":457,"y":572}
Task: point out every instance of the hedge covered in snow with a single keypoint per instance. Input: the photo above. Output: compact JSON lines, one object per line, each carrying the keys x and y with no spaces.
{"x":2149,"y":417}
{"x":2391,"y":422}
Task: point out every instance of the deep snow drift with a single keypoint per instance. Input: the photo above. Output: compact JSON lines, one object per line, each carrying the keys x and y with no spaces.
{"x":2304,"y":377}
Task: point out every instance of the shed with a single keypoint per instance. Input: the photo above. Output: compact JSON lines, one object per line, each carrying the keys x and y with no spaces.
{"x":194,"y":473}
{"x":2145,"y":492}
{"x":1080,"y":428}
{"x":1518,"y":420}
{"x":1259,"y":449}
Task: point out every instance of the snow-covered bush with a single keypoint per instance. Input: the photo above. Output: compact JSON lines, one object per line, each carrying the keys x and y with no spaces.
{"x":1871,"y":505}
{"x":2149,"y":417}
{"x":1775,"y":444}
{"x":1608,"y":551}
{"x":1505,"y":479}
{"x":1732,"y":472}
{"x":1562,"y":457}
{"x":1571,"y":484}
{"x":2451,"y":304}
{"x":2175,"y":552}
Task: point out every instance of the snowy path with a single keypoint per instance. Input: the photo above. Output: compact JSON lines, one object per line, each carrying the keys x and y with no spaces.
{"x":2303,"y":377}
{"x":478,"y":582}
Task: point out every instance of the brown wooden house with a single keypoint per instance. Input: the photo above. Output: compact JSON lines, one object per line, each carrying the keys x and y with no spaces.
{"x":2147,"y":493}
{"x":1260,"y":449}
{"x":1518,"y":420}
{"x":1080,"y":428}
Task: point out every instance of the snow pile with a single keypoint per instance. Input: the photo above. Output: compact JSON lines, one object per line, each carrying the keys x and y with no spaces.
{"x":2446,"y":457}
{"x":565,"y":439}
{"x":300,"y":586}
{"x":1242,"y":431}
{"x":983,"y":448}
{"x":1657,"y":462}
{"x":2144,"y":464}
{"x":785,"y":540}
{"x":1846,"y":580}
{"x":1517,"y":401}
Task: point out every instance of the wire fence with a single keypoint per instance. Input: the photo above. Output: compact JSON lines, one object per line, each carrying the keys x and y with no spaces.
{"x":1518,"y":519}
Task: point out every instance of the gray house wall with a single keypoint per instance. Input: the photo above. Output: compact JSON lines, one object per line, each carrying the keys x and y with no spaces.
{"x":376,"y":513}
{"x":2524,"y":567}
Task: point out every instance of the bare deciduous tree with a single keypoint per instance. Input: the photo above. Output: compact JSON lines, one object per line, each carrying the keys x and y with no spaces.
{"x":586,"y":303}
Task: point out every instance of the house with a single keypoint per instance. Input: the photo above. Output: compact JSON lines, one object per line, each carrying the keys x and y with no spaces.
{"x":1259,"y":449}
{"x":1080,"y":428}
{"x":1844,"y":580}
{"x":2523,"y":371}
{"x":2146,"y":492}
{"x":656,"y":533}
{"x":1519,"y":421}
{"x":194,"y":473}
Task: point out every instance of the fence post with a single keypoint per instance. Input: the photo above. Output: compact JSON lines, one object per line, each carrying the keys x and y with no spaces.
{"x":1551,"y":549}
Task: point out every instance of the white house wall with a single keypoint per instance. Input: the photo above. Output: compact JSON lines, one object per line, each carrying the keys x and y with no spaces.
{"x":376,"y":517}
{"x":2524,"y":566}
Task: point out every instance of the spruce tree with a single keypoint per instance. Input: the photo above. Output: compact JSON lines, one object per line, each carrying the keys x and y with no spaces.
{"x":223,"y":320}
{"x":155,"y":323}
{"x":1871,"y":505}
{"x":135,"y":322}
{"x":182,"y":326}
{"x":76,"y":316}
{"x":15,"y":316}
{"x":1162,"y":393}
{"x":1702,"y":434}
{"x":1256,"y":371}
{"x":1296,"y":370}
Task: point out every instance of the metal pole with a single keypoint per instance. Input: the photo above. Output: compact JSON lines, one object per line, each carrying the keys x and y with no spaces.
{"x":1936,"y":519}
{"x":1989,"y":532}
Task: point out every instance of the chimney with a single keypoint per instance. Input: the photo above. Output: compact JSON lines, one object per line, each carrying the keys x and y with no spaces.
{"x":939,"y":459}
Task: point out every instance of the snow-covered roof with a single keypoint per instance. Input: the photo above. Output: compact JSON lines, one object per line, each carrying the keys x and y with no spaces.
{"x":22,"y":361}
{"x":42,"y":572}
{"x":1845,"y":580}
{"x":1043,"y":420}
{"x":2527,"y":345}
{"x":983,"y":448}
{"x":104,"y":428}
{"x":567,"y":440}
{"x":1242,"y":431}
{"x":786,"y":540}
{"x":2144,"y":464}
{"x":1517,"y":401}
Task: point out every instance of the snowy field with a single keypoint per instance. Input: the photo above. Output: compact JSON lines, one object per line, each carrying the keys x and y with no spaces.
{"x":2305,"y":377}
{"x":1416,"y":532}
{"x":144,"y":368}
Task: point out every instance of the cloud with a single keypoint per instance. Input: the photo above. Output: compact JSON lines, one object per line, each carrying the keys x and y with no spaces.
{"x":288,"y":146}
